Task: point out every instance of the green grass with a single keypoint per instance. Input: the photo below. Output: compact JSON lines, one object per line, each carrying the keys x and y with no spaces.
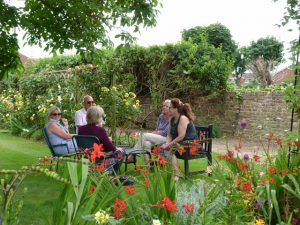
{"x":42,"y":192}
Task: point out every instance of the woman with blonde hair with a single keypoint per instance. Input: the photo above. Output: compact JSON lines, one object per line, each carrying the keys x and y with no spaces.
{"x":57,"y":133}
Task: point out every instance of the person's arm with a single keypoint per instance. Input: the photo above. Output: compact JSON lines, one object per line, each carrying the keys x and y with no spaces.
{"x":182,"y":126}
{"x":54,"y":128}
{"x":78,"y":122}
{"x":168,"y":139}
{"x":107,"y":144}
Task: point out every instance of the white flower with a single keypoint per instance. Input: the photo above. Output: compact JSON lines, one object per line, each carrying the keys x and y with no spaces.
{"x":261,"y":174}
{"x":59,"y":99}
{"x":156,"y":222}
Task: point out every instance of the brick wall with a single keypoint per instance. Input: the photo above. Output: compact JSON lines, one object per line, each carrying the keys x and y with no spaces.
{"x":265,"y":112}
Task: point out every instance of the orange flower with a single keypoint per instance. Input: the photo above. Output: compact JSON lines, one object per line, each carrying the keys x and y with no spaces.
{"x":238,"y":182}
{"x":92,"y":189}
{"x":278,"y":141}
{"x":230,"y":153}
{"x":271,"y":180}
{"x":138,"y":168}
{"x":284,"y":172}
{"x":297,"y":143}
{"x":130,"y":189}
{"x":147,"y":183}
{"x":119,"y":207}
{"x":272,"y":170}
{"x":101,"y":167}
{"x":246,"y":187}
{"x":168,"y":204}
{"x":189,"y":208}
{"x":97,"y":151}
{"x":243,"y":166}
{"x":145,"y":172}
{"x":270,"y":136}
{"x":180,"y":150}
{"x":194,"y":150}
{"x":264,"y":181}
{"x":45,"y":161}
{"x":256,"y":158}
{"x":161,"y":160}
{"x":238,"y":147}
{"x":155,"y":150}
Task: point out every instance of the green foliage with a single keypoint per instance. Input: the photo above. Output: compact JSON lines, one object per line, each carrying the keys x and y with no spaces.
{"x":62,"y":25}
{"x":201,"y":69}
{"x":216,"y":34}
{"x":269,"y":48}
{"x":9,"y":59}
{"x":121,"y":106}
{"x":54,"y":63}
{"x":292,"y":97}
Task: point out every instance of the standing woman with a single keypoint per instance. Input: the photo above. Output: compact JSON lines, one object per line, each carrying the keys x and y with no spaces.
{"x":181,"y":127}
{"x":57,"y":133}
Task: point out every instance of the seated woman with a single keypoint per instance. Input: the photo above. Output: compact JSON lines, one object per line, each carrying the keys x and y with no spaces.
{"x":158,"y":136}
{"x":94,"y":117}
{"x":59,"y":134}
{"x":181,"y":127}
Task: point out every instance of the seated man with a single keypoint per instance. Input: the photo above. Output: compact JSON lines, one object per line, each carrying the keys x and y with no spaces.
{"x":80,"y":115}
{"x":158,"y":136}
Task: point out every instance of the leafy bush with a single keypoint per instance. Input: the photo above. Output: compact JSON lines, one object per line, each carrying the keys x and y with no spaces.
{"x":54,"y":63}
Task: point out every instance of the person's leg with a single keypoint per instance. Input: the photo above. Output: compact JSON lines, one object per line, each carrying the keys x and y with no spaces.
{"x":176,"y":166}
{"x":155,"y":139}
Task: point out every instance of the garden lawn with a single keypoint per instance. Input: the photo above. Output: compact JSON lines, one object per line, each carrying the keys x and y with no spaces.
{"x":42,"y":191}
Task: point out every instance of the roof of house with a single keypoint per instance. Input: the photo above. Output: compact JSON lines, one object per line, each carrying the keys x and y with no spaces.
{"x":283,"y":75}
{"x":25,"y":60}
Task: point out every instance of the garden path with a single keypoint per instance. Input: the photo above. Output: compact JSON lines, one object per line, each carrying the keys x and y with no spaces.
{"x":220,"y":145}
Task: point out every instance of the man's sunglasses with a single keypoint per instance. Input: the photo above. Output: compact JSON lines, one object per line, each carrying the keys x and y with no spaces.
{"x":56,"y":114}
{"x":90,"y":102}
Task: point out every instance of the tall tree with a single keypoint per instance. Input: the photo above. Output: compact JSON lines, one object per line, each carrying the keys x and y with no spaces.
{"x":262,"y":57}
{"x":216,"y":34}
{"x":68,"y":24}
{"x":9,"y":56}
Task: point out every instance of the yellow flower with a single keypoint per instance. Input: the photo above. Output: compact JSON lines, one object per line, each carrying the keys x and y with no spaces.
{"x":126,"y":95}
{"x":104,"y":89}
{"x":137,"y":102}
{"x":101,"y":217}
{"x":32,"y":117}
{"x":127,"y":103}
{"x":259,"y":222}
{"x":113,"y":88}
{"x":132,"y":94}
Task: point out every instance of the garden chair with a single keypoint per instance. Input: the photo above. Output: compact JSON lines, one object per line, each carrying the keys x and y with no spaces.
{"x":53,"y":153}
{"x":204,"y":147}
{"x":134,"y":155}
{"x":84,"y":142}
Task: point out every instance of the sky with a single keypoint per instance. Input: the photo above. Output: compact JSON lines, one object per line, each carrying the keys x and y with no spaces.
{"x":247,"y":20}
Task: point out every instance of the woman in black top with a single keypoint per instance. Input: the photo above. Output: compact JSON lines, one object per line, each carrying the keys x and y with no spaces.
{"x":181,"y":127}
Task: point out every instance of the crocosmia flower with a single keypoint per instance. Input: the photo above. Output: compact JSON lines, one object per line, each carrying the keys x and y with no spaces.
{"x":189,"y":208}
{"x":168,"y":204}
